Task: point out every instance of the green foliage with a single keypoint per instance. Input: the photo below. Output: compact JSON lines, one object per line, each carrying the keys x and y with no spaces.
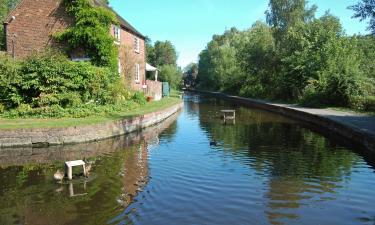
{"x":298,"y":59}
{"x":79,"y":111}
{"x":91,"y":32}
{"x":172,"y":75}
{"x":365,"y":9}
{"x":52,"y":79}
{"x":50,"y":85}
{"x":164,"y":56}
{"x":164,"y":53}
{"x":9,"y":78}
{"x":139,"y":98}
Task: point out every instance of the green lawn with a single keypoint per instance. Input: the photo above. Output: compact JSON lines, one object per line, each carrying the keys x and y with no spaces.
{"x":69,"y":122}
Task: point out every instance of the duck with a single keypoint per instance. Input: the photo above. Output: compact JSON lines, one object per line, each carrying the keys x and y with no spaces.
{"x":88,"y":166}
{"x":213,"y":143}
{"x":58,"y":176}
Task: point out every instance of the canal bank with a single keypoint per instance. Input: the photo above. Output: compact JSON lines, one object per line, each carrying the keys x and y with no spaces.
{"x":356,"y":129}
{"x":42,"y":137}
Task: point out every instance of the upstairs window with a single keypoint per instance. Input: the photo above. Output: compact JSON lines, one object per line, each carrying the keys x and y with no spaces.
{"x":136,"y":44}
{"x":137,"y":74}
{"x":117,"y":33}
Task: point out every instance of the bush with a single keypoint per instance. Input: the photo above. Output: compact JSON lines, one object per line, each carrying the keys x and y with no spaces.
{"x":363,"y":103}
{"x":172,"y":75}
{"x":139,"y":98}
{"x":52,"y":79}
{"x":9,"y":78}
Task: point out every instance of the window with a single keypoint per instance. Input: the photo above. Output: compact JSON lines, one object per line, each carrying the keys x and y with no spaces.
{"x":119,"y":66}
{"x":137,"y":78}
{"x":117,"y":33}
{"x":136,"y":44}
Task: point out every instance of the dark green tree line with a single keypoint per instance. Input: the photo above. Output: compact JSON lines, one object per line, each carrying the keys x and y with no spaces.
{"x":295,"y":57}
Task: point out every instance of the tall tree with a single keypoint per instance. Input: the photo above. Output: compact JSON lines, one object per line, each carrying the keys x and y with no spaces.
{"x":165,"y":53}
{"x":365,"y":9}
{"x":283,"y":14}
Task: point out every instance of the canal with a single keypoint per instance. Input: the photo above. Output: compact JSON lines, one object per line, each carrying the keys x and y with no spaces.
{"x":195,"y":169}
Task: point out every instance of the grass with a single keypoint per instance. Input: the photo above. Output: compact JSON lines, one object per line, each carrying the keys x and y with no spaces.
{"x":71,"y":122}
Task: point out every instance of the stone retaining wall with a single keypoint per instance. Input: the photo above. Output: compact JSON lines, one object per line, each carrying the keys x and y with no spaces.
{"x":40,"y":137}
{"x":353,"y":135}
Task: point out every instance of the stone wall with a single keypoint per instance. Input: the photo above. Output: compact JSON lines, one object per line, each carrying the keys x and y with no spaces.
{"x":72,"y":135}
{"x":49,"y":154}
{"x":154,"y":89}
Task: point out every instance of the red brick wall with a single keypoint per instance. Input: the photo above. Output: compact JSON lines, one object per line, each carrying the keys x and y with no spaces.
{"x":35,"y":22}
{"x":154,"y":89}
{"x":129,"y":57}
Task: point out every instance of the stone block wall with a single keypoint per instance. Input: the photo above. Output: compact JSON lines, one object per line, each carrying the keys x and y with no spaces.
{"x":154,"y":89}
{"x":81,"y":134}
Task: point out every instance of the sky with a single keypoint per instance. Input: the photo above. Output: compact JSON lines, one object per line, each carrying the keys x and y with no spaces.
{"x":190,"y":24}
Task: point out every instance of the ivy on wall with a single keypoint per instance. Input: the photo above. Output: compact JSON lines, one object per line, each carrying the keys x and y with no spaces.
{"x":91,"y":32}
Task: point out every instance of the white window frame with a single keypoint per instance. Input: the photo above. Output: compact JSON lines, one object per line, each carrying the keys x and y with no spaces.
{"x":136,"y":44}
{"x":119,"y":66}
{"x":117,"y":34}
{"x":137,"y":77}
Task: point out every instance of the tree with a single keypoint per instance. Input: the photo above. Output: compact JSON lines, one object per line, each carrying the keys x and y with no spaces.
{"x":172,"y":75}
{"x":190,"y":74}
{"x":165,"y":53}
{"x":365,"y":10}
{"x":283,"y":14}
{"x":150,"y":52}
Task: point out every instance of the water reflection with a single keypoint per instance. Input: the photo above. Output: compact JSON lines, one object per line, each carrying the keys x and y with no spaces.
{"x":301,"y":166}
{"x":264,"y":169}
{"x":28,"y":194}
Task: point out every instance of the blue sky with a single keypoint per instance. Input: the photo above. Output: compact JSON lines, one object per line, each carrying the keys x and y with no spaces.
{"x":190,"y":24}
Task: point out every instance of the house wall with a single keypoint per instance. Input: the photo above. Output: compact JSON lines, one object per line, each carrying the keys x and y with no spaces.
{"x":129,"y":57}
{"x":35,"y":22}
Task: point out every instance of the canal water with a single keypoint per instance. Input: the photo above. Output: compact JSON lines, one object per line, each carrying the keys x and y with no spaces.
{"x":195,"y":169}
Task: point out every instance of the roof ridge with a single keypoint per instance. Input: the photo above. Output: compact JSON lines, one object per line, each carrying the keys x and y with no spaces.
{"x":122,"y":21}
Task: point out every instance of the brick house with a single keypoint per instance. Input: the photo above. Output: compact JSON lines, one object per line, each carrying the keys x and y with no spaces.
{"x":31,"y":25}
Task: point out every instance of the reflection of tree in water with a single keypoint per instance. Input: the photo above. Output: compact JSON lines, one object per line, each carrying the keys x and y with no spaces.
{"x":28,"y":194}
{"x":298,"y":163}
{"x":32,"y":197}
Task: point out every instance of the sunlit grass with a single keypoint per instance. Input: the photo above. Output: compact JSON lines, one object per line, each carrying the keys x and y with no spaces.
{"x":71,"y":122}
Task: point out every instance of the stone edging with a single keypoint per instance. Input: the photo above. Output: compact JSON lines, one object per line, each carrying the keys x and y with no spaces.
{"x":354,"y":134}
{"x":72,"y":135}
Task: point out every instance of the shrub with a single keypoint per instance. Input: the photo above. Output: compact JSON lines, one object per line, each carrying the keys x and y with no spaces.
{"x":139,"y":98}
{"x":362,"y":103}
{"x":9,"y":78}
{"x":52,"y":79}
